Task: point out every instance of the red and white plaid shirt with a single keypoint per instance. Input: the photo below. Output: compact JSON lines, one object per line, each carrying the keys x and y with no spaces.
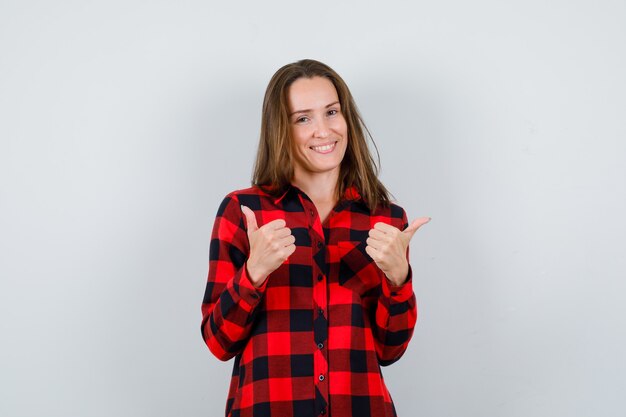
{"x":310,"y":341}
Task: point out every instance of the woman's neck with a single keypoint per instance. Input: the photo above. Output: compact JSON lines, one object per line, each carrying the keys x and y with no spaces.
{"x":321,"y":187}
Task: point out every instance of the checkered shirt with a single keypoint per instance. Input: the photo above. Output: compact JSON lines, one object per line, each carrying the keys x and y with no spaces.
{"x":311,"y":340}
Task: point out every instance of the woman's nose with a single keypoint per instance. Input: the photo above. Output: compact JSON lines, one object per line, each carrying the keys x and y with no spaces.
{"x":321,"y":129}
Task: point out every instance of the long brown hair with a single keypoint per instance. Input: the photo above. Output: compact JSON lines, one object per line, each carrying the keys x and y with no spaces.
{"x":273,"y":169}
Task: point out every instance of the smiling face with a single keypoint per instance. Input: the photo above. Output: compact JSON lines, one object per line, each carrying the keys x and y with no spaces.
{"x":318,"y":128}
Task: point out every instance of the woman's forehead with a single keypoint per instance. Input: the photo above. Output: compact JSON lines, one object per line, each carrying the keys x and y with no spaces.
{"x":311,"y":93}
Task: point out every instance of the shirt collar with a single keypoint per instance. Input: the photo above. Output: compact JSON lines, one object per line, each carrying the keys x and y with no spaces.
{"x":282,"y":196}
{"x":351,"y":193}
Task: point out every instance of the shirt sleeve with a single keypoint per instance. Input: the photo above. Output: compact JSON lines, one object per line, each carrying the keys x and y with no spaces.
{"x":230,"y":300}
{"x":396,"y":315}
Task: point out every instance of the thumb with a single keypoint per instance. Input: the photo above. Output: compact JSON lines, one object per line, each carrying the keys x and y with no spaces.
{"x":416,"y":224}
{"x":250,"y":219}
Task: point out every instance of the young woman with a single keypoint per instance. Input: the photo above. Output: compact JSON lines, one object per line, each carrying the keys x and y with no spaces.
{"x":309,"y":285}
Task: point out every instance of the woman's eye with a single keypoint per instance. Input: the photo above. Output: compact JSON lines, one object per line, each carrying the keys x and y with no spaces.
{"x":332,"y":112}
{"x":302,"y":119}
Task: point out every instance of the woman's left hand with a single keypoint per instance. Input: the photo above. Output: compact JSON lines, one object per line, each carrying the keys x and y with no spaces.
{"x":387,"y":246}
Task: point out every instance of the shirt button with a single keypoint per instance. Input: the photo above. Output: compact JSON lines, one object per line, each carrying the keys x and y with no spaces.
{"x":312,"y":212}
{"x":319,"y":245}
{"x":320,"y":277}
{"x":320,"y":345}
{"x":323,"y":412}
{"x":321,"y":311}
{"x":321,"y":377}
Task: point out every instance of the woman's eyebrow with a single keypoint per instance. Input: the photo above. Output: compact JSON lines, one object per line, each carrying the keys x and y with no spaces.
{"x":308,"y":110}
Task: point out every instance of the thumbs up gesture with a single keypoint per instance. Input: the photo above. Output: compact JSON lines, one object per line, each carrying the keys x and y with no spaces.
{"x":270,"y":246}
{"x":387,"y":246}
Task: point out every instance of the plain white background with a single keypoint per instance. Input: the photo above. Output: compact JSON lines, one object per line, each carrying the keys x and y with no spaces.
{"x":124,"y":123}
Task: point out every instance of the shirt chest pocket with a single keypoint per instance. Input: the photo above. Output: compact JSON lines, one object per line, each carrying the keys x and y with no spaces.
{"x":355,"y":269}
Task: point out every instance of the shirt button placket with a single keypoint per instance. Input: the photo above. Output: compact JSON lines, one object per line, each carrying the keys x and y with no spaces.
{"x":321,"y":323}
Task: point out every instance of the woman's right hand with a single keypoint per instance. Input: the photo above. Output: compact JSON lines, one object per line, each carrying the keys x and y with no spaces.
{"x":270,"y":246}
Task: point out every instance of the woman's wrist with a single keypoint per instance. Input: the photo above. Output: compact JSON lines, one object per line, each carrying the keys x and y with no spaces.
{"x":256,"y":277}
{"x":398,"y":277}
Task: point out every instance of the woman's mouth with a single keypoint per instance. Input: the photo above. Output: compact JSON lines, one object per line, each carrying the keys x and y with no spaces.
{"x":324,"y":148}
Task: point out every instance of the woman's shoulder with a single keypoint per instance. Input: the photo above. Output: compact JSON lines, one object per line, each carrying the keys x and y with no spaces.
{"x":253,"y":190}
{"x":250,"y":196}
{"x":396,"y":211}
{"x":387,"y":209}
{"x":392,"y":211}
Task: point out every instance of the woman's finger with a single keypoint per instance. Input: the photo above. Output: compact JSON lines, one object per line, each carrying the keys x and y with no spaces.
{"x":275,"y":224}
{"x":373,"y":253}
{"x":385,"y":228}
{"x":374,"y":243}
{"x":287,"y":240}
{"x":378,"y":234}
{"x":282,"y":232}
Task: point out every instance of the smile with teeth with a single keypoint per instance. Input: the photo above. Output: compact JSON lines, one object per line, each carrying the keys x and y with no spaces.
{"x":324,"y":148}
